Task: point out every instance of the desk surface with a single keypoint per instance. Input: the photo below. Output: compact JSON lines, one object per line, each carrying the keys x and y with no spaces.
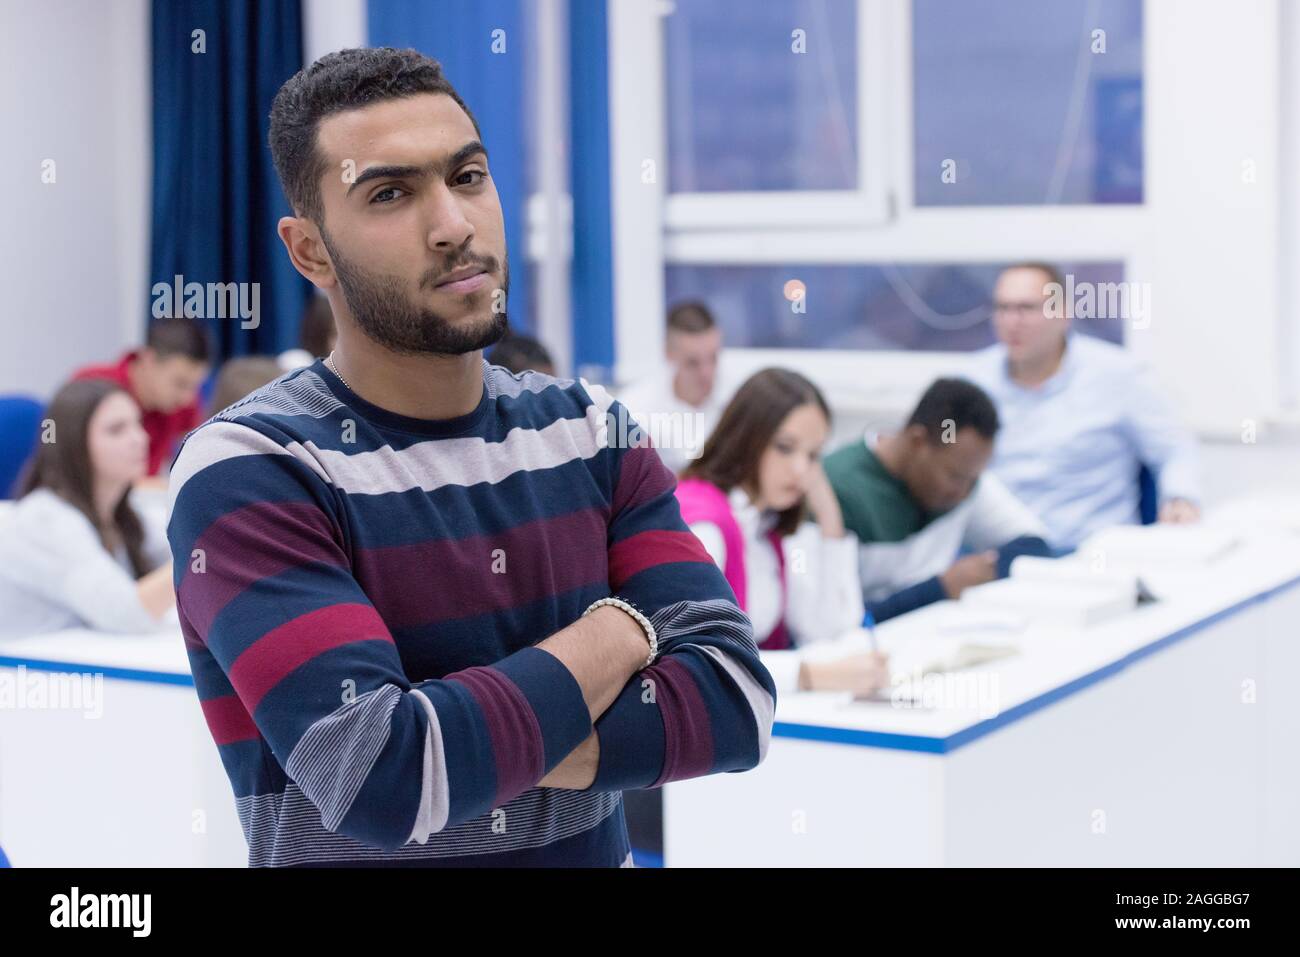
{"x":1052,"y":662}
{"x":158,"y":656}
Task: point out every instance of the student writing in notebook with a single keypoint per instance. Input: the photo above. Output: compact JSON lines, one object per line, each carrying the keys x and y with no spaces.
{"x":746,"y":498}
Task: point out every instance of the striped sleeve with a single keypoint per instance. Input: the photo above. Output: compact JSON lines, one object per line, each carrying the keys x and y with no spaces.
{"x":263,"y":582}
{"x":706,"y":704}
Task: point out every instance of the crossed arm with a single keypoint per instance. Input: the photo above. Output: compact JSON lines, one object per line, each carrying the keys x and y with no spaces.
{"x":603,"y":651}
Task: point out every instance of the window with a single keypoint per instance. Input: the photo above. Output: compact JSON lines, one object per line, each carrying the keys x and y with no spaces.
{"x":746,"y":112}
{"x":1024,"y":102}
{"x":929,"y":308}
{"x":894,"y":260}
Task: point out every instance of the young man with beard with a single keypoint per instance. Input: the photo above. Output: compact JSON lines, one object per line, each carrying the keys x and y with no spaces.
{"x":437,"y":614}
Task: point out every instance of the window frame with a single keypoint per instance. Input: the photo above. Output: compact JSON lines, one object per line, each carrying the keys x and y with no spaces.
{"x":1195,"y":220}
{"x":888,"y":228}
{"x":777,"y":209}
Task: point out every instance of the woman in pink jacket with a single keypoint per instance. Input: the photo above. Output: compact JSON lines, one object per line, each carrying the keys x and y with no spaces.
{"x":747,"y":497}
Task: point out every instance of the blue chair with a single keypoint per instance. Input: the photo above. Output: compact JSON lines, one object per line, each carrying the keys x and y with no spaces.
{"x":20,"y":426}
{"x":1148,"y":498}
{"x":208,"y":387}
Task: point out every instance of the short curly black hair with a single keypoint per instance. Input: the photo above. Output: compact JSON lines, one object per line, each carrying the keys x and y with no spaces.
{"x":345,"y":80}
{"x":963,"y":403}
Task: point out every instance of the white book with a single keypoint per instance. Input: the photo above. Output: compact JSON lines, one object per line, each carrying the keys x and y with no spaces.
{"x":1075,"y":569}
{"x":1144,"y":546}
{"x":1069,"y":603}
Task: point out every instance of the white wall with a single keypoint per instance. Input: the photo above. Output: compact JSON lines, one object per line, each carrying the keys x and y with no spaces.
{"x":74,"y":255}
{"x":330,"y":25}
{"x":1288,"y":249}
{"x":74,"y":88}
{"x":1213,"y":111}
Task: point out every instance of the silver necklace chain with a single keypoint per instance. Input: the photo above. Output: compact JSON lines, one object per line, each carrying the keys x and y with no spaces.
{"x":329,"y":361}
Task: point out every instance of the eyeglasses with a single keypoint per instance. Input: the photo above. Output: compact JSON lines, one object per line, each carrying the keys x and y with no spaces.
{"x":1019,"y":309}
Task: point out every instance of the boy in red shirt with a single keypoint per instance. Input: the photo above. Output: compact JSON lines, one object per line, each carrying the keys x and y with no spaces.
{"x":164,"y":379}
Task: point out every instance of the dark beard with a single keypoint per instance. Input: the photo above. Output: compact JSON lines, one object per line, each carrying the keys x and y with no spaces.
{"x":386,"y":315}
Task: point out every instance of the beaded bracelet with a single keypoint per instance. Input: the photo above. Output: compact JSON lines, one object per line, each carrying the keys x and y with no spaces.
{"x":639,"y":618}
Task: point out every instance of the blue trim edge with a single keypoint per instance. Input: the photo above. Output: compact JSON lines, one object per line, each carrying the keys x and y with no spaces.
{"x":930,"y":745}
{"x":809,"y":732}
{"x":126,"y":674}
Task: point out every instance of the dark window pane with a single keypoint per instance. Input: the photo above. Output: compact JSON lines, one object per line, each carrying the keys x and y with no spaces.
{"x":1013,"y":92}
{"x":746,"y":112}
{"x":935,"y":308}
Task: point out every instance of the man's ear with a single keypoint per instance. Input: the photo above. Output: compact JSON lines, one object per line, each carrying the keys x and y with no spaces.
{"x":917,"y":436}
{"x":306,"y":250}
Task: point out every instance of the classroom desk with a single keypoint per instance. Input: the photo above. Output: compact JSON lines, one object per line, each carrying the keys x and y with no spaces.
{"x":139,"y":785}
{"x":1167,"y":737}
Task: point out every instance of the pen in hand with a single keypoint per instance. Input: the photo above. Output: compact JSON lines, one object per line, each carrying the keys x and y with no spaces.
{"x":869,"y":623}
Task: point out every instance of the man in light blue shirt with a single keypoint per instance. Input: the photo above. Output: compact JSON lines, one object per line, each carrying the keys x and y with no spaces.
{"x":1080,"y":417}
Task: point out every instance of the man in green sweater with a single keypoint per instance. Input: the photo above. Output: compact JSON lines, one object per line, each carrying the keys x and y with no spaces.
{"x":918,"y":499}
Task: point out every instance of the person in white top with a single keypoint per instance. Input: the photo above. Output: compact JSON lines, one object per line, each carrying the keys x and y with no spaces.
{"x":746,"y":499}
{"x":679,"y":407}
{"x":73,"y":551}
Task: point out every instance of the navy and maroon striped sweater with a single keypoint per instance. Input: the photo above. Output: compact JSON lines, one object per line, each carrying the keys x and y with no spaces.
{"x":360,"y":593}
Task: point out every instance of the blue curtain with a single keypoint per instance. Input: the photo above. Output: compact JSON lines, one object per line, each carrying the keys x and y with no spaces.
{"x":460,"y":36}
{"x":216,"y":197}
{"x":593,"y":268}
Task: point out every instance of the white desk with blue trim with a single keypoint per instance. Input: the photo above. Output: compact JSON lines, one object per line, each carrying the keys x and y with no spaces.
{"x":114,"y":771}
{"x":1167,"y":737}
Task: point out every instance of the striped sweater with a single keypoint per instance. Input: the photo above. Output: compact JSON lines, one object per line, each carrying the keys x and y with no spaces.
{"x":360,"y":593}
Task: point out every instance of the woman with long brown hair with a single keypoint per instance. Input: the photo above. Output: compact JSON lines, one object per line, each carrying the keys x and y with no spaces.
{"x":746,"y":498}
{"x":73,"y":552}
